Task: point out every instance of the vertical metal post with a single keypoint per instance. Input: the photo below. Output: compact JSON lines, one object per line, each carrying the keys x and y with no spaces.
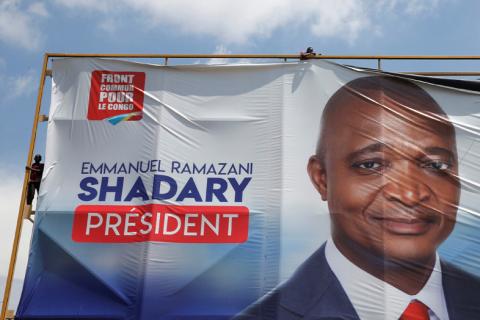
{"x":379,"y":64}
{"x":18,"y":230}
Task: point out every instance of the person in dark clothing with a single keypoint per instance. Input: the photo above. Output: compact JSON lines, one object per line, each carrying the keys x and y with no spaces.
{"x":36,"y":171}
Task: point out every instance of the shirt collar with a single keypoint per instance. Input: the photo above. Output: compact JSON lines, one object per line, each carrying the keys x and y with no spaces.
{"x":366,"y":291}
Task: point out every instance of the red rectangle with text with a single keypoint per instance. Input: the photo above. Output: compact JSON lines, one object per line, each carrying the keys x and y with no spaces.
{"x":116,"y":94}
{"x":162,"y":223}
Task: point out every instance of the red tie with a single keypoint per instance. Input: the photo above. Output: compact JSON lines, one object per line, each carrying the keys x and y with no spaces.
{"x":415,"y":311}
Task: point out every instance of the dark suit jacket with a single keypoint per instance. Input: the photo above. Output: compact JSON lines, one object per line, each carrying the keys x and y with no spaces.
{"x":314,"y":292}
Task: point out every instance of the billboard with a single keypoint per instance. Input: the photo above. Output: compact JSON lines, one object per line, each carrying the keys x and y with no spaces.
{"x":260,"y":191}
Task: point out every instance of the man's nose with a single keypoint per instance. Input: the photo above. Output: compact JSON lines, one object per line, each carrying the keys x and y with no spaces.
{"x":406,"y":184}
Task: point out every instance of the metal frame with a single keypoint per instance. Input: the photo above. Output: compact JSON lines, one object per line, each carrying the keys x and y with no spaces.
{"x":285,"y":57}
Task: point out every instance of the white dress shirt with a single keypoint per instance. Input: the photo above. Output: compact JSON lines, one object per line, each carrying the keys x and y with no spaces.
{"x":374,"y":299}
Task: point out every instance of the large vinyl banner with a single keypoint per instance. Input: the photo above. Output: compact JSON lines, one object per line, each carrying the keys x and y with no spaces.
{"x":303,"y":190}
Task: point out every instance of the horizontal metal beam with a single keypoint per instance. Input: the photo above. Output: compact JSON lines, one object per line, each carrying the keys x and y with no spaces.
{"x":421,"y":73}
{"x":175,"y":56}
{"x":445,"y":74}
{"x":386,"y":57}
{"x":284,"y":57}
{"x":262,"y":56}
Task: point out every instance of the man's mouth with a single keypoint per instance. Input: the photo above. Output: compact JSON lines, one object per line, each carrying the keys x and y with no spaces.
{"x":404,"y":226}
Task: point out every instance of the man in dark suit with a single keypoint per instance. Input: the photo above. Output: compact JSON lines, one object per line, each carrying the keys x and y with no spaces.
{"x":386,"y":163}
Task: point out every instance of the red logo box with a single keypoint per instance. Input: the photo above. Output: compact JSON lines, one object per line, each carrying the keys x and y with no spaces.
{"x":116,"y":95}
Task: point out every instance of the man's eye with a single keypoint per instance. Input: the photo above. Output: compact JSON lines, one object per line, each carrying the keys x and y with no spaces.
{"x":437,"y":165}
{"x":368,"y":165}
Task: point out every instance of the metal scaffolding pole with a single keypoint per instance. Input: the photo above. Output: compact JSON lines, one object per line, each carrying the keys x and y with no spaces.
{"x":18,"y":229}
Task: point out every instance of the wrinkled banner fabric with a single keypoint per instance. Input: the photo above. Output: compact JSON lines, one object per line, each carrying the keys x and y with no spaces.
{"x":304,"y":190}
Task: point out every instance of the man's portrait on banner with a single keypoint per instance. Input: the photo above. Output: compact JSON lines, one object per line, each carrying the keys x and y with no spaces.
{"x":386,"y":163}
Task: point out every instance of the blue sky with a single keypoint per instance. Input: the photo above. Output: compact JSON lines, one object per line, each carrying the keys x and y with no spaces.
{"x":350,"y":27}
{"x":29,"y":28}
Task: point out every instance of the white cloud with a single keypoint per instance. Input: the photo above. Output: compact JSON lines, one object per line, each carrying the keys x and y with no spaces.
{"x":219,"y":49}
{"x":415,"y":7}
{"x":10,"y":191}
{"x":108,"y":25}
{"x":91,"y":5}
{"x":39,"y":9}
{"x":17,"y":26}
{"x":236,"y":22}
{"x":347,"y":18}
{"x":24,"y":84}
{"x":229,"y":21}
{"x":222,"y":49}
{"x":17,"y":85}
{"x":409,"y":7}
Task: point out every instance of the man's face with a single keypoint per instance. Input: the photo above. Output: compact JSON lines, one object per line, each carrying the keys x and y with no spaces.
{"x":389,"y":177}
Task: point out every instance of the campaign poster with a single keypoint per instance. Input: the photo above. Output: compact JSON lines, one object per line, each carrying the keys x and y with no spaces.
{"x":300,"y":190}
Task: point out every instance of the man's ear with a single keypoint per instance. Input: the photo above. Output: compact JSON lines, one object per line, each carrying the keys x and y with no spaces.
{"x":318,"y":176}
